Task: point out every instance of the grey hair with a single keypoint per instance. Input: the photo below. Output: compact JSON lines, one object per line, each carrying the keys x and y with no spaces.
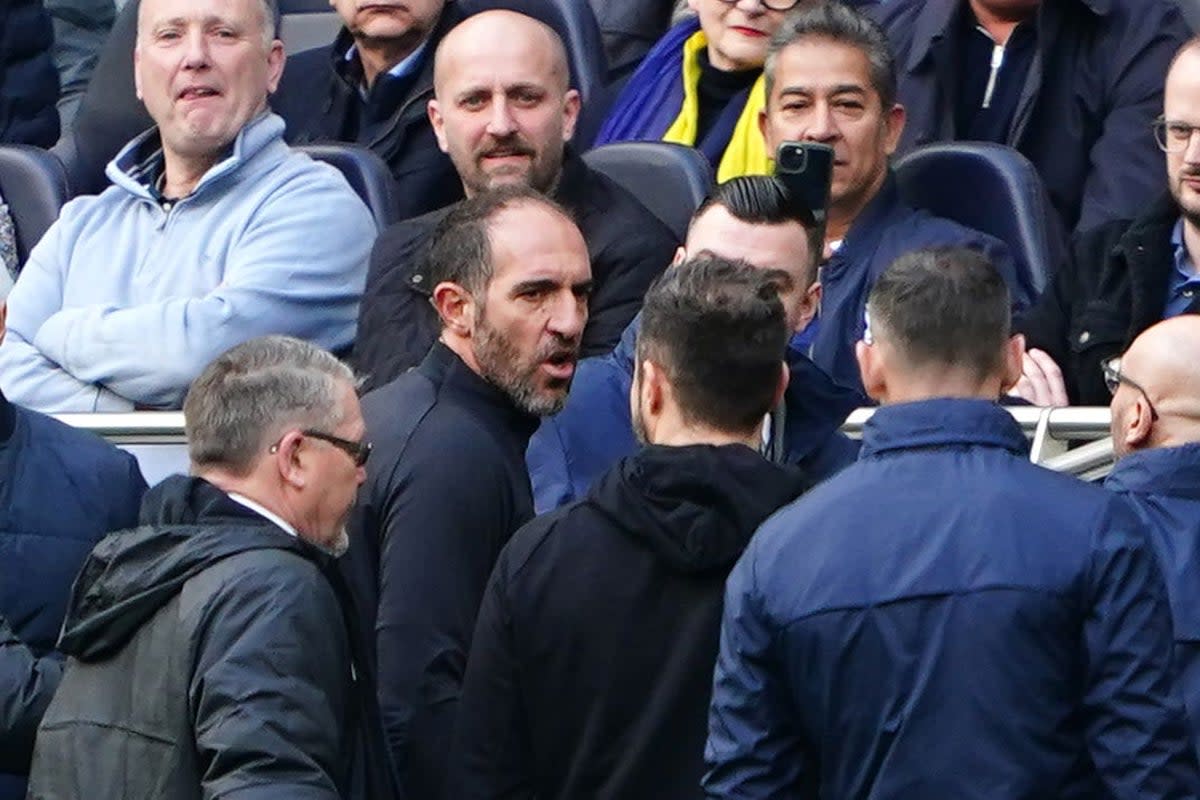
{"x":836,"y":22}
{"x":254,"y":393}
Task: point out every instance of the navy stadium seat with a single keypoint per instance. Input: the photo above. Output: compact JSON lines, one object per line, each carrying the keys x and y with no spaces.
{"x":34,"y":186}
{"x":669,"y":179}
{"x":367,"y":174}
{"x":994,"y":189}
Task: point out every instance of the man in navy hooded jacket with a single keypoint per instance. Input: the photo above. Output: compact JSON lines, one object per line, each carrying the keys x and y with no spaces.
{"x":944,"y":618}
{"x":749,"y":219}
{"x":1156,"y":437}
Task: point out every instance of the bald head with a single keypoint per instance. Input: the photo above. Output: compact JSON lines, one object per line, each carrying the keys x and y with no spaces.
{"x":520,"y":37}
{"x":1165,"y":362}
{"x":502,"y":107}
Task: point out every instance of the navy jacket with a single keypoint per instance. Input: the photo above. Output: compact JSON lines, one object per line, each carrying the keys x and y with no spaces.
{"x":885,"y":230}
{"x":28,"y":78}
{"x":446,"y":487}
{"x":61,"y":491}
{"x":594,"y":430}
{"x":945,"y":619}
{"x":1084,"y":115}
{"x":637,"y":568}
{"x":1163,"y":486}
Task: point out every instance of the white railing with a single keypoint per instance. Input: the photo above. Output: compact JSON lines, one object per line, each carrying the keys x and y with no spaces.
{"x":157,"y":438}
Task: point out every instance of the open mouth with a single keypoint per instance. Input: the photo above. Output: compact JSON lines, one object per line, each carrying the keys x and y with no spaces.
{"x":198,"y":93}
{"x":560,"y":366}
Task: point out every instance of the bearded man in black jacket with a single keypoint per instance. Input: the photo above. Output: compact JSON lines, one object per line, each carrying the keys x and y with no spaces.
{"x":591,"y":667}
{"x":211,"y":651}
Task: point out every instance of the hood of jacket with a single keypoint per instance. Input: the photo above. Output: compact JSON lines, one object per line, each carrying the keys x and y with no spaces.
{"x":186,"y":526}
{"x":696,"y":506}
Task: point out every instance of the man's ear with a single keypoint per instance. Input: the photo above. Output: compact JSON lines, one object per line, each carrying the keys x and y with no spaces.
{"x":275,"y":63}
{"x":571,"y":105}
{"x":894,"y":121}
{"x":809,"y":305}
{"x":456,"y":308}
{"x":680,"y":256}
{"x":870,"y":366}
{"x":785,"y":376}
{"x":1138,"y":426}
{"x":291,"y":459}
{"x":1014,"y":359}
{"x":438,"y":123}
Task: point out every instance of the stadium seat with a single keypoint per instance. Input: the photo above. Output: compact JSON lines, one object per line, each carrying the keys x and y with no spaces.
{"x":366,"y":173}
{"x":669,"y":179}
{"x":306,"y":24}
{"x":991,"y":188}
{"x":34,"y":186}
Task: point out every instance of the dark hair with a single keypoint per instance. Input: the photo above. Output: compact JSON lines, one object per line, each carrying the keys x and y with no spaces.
{"x":832,"y":20}
{"x":460,"y":249}
{"x":764,"y":200}
{"x":718,"y":331}
{"x":943,"y":306}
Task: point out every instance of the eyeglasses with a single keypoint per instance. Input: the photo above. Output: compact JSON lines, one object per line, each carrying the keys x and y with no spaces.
{"x":358,"y":451}
{"x":1173,"y":136}
{"x":772,"y":5}
{"x":1113,"y":380}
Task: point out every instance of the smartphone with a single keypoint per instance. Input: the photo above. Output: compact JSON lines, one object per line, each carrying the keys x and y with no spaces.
{"x":806,"y":170}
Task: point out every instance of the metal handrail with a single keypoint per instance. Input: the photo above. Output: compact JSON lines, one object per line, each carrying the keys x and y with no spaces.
{"x":1050,"y":429}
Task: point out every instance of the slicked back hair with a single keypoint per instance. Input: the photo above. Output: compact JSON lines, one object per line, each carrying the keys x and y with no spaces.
{"x":764,"y":200}
{"x":252,"y":394}
{"x":460,"y":249}
{"x":717,"y":329}
{"x":943,"y":307}
{"x":833,"y":21}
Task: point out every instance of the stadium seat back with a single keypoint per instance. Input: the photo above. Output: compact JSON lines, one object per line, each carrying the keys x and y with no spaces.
{"x":33,"y":185}
{"x":994,"y":189}
{"x":367,"y":174}
{"x":669,"y":179}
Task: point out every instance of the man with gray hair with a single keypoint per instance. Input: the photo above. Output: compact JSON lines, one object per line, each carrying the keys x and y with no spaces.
{"x":203,"y":240}
{"x":211,"y":651}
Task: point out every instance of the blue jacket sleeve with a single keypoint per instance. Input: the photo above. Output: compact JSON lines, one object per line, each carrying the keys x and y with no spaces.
{"x":27,"y":684}
{"x":549,"y":467}
{"x":1137,"y":729}
{"x":753,"y":749}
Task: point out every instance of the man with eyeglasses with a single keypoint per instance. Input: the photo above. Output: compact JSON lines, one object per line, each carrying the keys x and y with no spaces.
{"x":1071,"y":84}
{"x":1124,"y":276}
{"x":212,"y":651}
{"x":1156,"y":438}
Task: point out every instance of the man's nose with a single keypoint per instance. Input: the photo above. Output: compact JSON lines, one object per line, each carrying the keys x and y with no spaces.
{"x":500,"y":123}
{"x":569,"y":316}
{"x":821,"y":125}
{"x":195,"y":53}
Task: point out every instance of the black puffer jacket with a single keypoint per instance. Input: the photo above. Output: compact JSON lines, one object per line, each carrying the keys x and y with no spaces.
{"x":28,"y":80}
{"x":209,"y":657}
{"x":591,"y":669}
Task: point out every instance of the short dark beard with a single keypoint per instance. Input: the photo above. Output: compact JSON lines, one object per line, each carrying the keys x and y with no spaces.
{"x":499,"y":364}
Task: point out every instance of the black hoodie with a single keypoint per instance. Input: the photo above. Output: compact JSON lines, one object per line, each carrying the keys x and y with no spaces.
{"x":591,"y":666}
{"x":209,"y":648}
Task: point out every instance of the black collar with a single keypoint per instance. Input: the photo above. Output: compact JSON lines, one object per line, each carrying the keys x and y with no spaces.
{"x":446,"y":370}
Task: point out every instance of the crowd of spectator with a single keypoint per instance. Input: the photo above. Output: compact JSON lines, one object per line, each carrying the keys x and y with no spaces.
{"x":515,"y":487}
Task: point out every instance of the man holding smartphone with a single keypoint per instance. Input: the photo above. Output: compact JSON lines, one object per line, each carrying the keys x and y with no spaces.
{"x":830,"y":79}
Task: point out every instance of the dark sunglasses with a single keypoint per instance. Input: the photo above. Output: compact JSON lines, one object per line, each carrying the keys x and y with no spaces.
{"x":1113,"y":380}
{"x":358,"y":451}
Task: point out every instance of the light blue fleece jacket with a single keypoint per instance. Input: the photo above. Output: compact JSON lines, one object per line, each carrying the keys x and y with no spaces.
{"x":124,"y":303}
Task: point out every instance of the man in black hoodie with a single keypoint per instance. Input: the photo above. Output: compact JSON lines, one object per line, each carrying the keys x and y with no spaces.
{"x":210,"y":650}
{"x":591,"y":665}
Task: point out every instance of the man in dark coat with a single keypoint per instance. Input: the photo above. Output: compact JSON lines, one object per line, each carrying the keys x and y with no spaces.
{"x":28,"y":79}
{"x":509,"y":278}
{"x":944,"y":618}
{"x":830,"y":79}
{"x":504,"y":112}
{"x":1073,"y":84}
{"x":61,"y":491}
{"x":1124,"y":276}
{"x":750,"y":218}
{"x":212,"y":650}
{"x":637,"y":568}
{"x":1156,"y":437}
{"x":371,"y":88}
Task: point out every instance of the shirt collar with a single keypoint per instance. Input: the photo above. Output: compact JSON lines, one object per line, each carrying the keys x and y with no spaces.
{"x":263,"y":511}
{"x":1183,"y":262}
{"x":407,"y":66}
